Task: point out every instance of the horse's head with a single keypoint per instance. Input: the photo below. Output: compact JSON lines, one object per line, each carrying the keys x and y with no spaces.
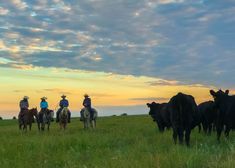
{"x":34,"y":111}
{"x":64,"y":111}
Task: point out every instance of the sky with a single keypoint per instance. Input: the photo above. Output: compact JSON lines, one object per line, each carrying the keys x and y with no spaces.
{"x":122,"y":53}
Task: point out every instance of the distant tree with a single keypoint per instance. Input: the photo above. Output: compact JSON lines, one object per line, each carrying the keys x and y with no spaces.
{"x":124,"y":114}
{"x":14,"y":118}
{"x":1,"y":118}
{"x":114,"y":115}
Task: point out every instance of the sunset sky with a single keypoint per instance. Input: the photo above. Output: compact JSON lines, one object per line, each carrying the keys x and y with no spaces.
{"x":123,"y":53}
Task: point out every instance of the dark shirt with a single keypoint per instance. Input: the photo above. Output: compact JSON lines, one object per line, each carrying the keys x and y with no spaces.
{"x":24,"y":104}
{"x":64,"y":103}
{"x":87,"y":102}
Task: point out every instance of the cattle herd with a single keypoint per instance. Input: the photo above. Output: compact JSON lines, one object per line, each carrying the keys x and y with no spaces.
{"x":182,"y":114}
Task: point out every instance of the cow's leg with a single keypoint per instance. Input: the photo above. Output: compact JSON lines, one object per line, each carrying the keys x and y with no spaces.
{"x":219,"y":130}
{"x":209,"y":129}
{"x":187,"y":136}
{"x":227,"y":129}
{"x":181,"y":135}
{"x":199,"y":128}
{"x":175,"y":135}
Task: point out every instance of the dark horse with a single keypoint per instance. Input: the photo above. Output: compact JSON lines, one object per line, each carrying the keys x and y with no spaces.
{"x":45,"y":117}
{"x":27,"y":117}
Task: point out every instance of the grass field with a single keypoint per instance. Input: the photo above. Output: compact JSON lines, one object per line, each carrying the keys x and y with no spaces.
{"x":128,"y":141}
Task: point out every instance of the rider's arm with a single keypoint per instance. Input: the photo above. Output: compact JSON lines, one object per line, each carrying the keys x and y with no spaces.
{"x":46,"y":104}
{"x":61,"y":103}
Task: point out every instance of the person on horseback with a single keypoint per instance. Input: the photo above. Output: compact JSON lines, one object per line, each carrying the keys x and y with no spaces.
{"x":63,"y":103}
{"x":24,"y":105}
{"x":43,"y":106}
{"x":87,"y":104}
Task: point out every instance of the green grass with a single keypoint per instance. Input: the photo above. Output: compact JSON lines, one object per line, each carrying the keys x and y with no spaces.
{"x":128,"y":141}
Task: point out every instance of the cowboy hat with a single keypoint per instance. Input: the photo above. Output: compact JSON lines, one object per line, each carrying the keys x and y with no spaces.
{"x":86,"y":95}
{"x":44,"y":98}
{"x":63,"y":96}
{"x":25,"y":97}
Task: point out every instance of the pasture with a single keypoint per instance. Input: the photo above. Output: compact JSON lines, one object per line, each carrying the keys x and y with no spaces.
{"x":121,"y":142}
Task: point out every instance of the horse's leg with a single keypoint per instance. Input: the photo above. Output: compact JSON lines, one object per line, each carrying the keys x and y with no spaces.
{"x":42,"y":126}
{"x":85,"y":124}
{"x":48,"y":126}
{"x":20,"y":126}
{"x":25,"y":127}
{"x":38,"y":123}
{"x":30,"y":126}
{"x":92,"y":123}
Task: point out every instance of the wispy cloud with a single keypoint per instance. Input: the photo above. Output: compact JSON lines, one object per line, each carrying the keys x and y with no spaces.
{"x":177,"y":40}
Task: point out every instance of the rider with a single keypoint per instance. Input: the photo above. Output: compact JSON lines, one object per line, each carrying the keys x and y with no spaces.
{"x":43,"y":105}
{"x":87,"y":104}
{"x":24,"y":105}
{"x":63,"y":103}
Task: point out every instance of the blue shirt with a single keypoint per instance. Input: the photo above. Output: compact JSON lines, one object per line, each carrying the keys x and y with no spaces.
{"x":64,"y":103}
{"x":44,"y":104}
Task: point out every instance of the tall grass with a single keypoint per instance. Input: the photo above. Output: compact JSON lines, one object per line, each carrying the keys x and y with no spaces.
{"x":128,"y":141}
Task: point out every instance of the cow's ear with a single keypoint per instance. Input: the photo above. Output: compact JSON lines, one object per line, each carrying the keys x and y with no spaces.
{"x":213,"y":93}
{"x":148,"y":104}
{"x":227,"y":92}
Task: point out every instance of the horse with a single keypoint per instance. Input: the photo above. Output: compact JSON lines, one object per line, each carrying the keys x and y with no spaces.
{"x":27,"y":118}
{"x":63,"y":118}
{"x":45,"y":117}
{"x":88,"y":119}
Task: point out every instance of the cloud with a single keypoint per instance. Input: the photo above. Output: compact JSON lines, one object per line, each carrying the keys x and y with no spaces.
{"x":3,"y":11}
{"x":162,"y":82}
{"x":175,"y":40}
{"x":170,"y":1}
{"x":158,"y":99}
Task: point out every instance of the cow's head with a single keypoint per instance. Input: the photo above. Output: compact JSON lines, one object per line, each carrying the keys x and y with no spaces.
{"x":153,"y":107}
{"x":219,"y":96}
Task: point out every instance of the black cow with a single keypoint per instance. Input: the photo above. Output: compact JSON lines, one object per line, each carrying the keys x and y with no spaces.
{"x":184,"y":116}
{"x":226,"y":111}
{"x":160,"y":114}
{"x":208,"y":114}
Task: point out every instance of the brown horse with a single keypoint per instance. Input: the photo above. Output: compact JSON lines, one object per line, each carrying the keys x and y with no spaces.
{"x":27,"y":117}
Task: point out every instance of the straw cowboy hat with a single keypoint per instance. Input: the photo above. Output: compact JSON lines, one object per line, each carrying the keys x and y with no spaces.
{"x":25,"y":97}
{"x":44,"y":98}
{"x":86,"y":95}
{"x":63,"y":96}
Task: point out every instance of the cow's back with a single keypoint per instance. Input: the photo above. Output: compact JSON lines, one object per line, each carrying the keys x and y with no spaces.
{"x":230,"y":112}
{"x":182,"y":109}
